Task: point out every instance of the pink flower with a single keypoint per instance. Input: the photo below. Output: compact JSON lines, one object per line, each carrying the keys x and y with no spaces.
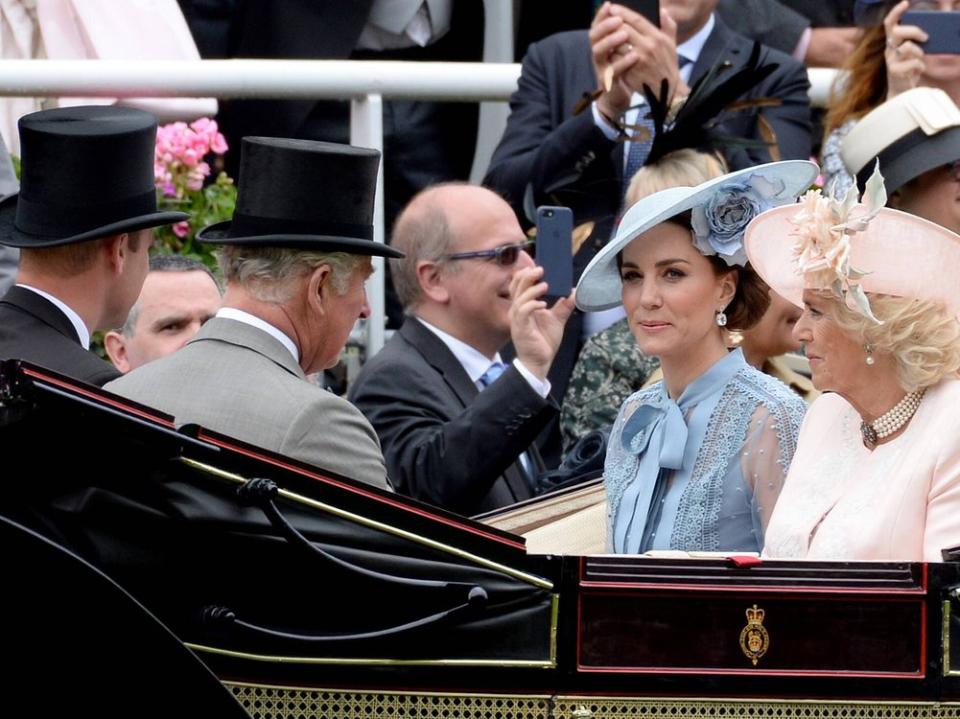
{"x":202,"y":125}
{"x":218,"y":144}
{"x":181,"y":229}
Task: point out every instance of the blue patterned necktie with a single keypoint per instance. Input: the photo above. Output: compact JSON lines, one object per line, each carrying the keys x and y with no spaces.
{"x":493,"y":371}
{"x":488,"y":378}
{"x":639,"y":150}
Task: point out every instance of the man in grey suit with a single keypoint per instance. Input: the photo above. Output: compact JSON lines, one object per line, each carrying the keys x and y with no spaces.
{"x":295,"y":257}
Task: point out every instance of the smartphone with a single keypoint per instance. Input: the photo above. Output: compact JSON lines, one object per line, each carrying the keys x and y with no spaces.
{"x":554,"y":249}
{"x":941,"y":26}
{"x":650,"y":9}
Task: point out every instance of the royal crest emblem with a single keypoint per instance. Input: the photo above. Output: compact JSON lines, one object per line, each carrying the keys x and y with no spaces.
{"x":754,"y":639}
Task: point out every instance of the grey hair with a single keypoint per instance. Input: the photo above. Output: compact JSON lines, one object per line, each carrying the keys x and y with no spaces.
{"x":270,"y":273}
{"x":423,"y":234}
{"x":167,"y":263}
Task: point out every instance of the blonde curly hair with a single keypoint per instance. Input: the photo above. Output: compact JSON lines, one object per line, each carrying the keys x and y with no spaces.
{"x":921,"y":335}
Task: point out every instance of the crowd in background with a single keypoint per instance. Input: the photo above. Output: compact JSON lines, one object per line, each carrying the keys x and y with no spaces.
{"x":682,"y":144}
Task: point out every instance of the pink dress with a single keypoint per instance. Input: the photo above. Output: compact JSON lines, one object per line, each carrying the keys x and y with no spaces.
{"x":899,"y":502}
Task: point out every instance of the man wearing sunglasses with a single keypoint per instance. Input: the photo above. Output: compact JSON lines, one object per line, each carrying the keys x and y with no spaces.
{"x":456,"y":425}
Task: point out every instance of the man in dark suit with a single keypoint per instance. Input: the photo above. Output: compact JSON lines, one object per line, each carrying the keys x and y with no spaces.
{"x":821,"y":34}
{"x":456,"y":425}
{"x":83,"y":222}
{"x":550,"y":155}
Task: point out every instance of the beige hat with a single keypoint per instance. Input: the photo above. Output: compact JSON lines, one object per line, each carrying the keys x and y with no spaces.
{"x":916,"y":131}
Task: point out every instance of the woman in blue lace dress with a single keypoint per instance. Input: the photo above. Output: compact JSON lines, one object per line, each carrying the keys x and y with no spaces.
{"x":696,"y":461}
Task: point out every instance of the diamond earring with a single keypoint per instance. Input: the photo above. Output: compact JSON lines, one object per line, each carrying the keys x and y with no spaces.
{"x":721,"y":318}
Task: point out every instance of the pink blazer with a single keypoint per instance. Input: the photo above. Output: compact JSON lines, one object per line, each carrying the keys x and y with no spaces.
{"x":899,"y":502}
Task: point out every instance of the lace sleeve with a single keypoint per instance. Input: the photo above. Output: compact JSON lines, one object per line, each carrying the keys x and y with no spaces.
{"x":765,"y":459}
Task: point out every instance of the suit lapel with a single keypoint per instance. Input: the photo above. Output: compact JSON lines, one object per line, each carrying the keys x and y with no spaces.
{"x":438,"y":356}
{"x":721,"y":46}
{"x":42,"y":309}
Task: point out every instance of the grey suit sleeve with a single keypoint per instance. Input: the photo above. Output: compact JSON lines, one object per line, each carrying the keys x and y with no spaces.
{"x":771,"y":22}
{"x":334,"y":435}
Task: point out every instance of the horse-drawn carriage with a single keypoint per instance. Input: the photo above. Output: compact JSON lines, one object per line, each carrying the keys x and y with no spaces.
{"x":311,"y":595}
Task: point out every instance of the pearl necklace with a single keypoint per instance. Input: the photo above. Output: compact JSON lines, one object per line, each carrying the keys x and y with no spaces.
{"x":888,"y":423}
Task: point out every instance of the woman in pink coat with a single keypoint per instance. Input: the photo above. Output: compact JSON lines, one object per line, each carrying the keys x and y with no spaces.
{"x":876,"y":474}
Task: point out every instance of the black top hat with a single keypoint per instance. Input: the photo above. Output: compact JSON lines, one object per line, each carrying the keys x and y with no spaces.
{"x":305,"y":195}
{"x":86,"y":172}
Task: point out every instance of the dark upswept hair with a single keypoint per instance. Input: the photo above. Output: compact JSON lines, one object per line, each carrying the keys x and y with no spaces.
{"x":751,"y":299}
{"x":752,"y":296}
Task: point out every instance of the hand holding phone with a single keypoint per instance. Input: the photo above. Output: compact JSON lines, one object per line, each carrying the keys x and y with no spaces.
{"x":554,"y":249}
{"x":650,"y":9}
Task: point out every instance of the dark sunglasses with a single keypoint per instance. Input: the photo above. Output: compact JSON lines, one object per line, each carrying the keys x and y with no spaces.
{"x":504,"y":255}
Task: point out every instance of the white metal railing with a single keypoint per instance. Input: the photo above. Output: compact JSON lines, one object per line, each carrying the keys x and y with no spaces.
{"x":365,"y":83}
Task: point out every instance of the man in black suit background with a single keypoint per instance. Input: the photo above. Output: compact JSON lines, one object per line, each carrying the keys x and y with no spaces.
{"x":82,"y":221}
{"x":550,"y":155}
{"x":455,"y":424}
{"x":821,"y":34}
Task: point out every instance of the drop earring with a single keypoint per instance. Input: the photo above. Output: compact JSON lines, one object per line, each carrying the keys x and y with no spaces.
{"x":721,"y":318}
{"x":868,"y":349}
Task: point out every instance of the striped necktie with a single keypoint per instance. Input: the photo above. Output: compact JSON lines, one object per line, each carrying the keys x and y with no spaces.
{"x":639,"y":150}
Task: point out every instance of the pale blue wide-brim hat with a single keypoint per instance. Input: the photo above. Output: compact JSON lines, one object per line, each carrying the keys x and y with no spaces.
{"x":722,"y":209}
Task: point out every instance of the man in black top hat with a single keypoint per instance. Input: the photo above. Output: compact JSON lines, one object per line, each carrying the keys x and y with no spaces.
{"x":82,"y":221}
{"x":295,"y":257}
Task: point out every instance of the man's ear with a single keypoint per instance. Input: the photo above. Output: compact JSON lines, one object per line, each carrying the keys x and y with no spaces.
{"x":319,"y":288}
{"x":433,"y":281}
{"x":116,"y":347}
{"x":117,"y":249}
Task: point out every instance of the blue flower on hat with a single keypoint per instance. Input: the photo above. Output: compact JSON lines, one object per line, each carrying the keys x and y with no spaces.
{"x":719,"y":223}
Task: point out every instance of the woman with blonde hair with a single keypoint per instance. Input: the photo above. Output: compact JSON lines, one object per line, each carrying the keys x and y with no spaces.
{"x":876,"y":474}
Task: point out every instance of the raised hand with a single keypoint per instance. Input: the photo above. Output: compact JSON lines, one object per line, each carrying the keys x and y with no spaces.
{"x":535,"y":329}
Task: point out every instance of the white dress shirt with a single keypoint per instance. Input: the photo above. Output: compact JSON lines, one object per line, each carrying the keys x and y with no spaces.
{"x":475,"y":363}
{"x":232,"y":313}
